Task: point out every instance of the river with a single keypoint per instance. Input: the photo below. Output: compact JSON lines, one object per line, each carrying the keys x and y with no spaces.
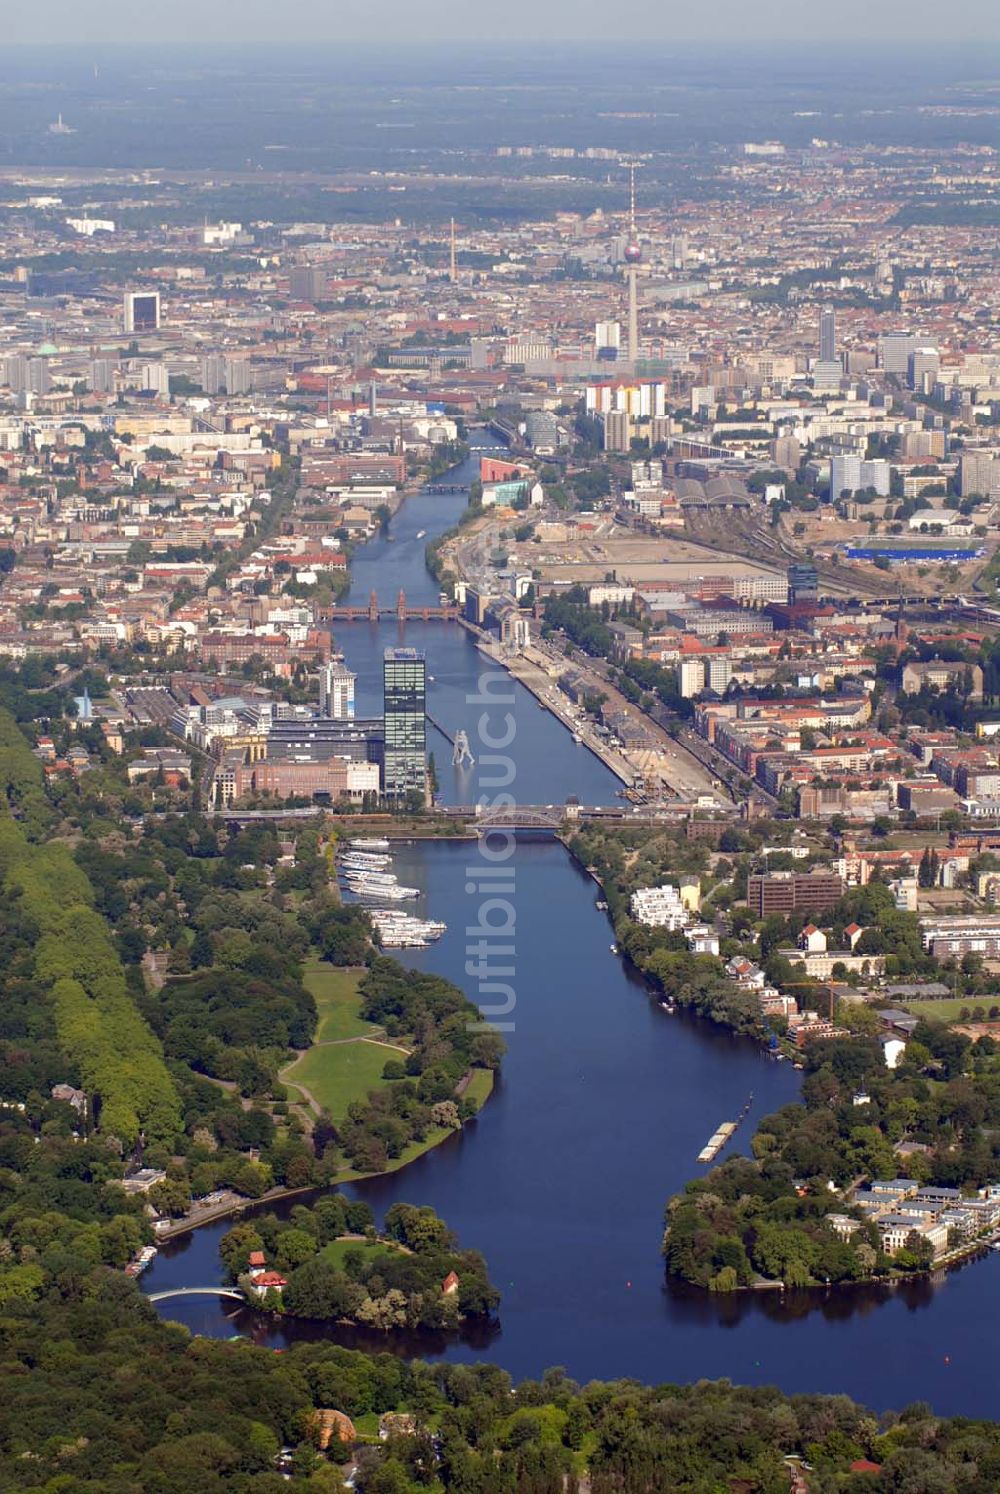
{"x":603,"y":1104}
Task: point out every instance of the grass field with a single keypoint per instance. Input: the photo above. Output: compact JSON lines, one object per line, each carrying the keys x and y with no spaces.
{"x":948,"y":1008}
{"x":335,"y":992}
{"x":337,"y":1249}
{"x":346,"y":1061}
{"x":337,"y":1073}
{"x":480,"y":1086}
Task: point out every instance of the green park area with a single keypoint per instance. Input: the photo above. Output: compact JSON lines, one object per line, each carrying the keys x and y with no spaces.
{"x":480,"y":1086}
{"x":950,"y":1008}
{"x":338,"y":1001}
{"x":337,"y":1072}
{"x":346,"y":1061}
{"x":336,"y":1251}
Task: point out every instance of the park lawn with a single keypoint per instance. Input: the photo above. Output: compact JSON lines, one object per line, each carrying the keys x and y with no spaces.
{"x":366,"y":1426}
{"x":336,"y":1250}
{"x":949,"y":1007}
{"x":338,"y":1073}
{"x":334,"y":989}
{"x":480,"y":1086}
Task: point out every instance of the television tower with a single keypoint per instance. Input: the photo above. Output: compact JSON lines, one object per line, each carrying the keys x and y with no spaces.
{"x":452,"y":258}
{"x":633,"y":257}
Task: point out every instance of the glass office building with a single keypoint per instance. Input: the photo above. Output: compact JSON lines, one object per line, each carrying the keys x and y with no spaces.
{"x":405,"y":698}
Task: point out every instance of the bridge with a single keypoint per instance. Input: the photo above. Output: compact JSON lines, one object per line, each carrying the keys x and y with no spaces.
{"x":528,"y":816}
{"x":402,"y":612}
{"x":449,"y":736}
{"x":446,"y":487}
{"x":230,"y":1292}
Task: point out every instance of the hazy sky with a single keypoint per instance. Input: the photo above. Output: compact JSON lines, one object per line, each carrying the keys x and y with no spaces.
{"x":190,"y":22}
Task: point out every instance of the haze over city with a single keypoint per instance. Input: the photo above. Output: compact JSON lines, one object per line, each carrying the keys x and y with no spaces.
{"x":443,"y":22}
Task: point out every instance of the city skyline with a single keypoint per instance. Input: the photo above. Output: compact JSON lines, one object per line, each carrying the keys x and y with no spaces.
{"x":500,"y":641}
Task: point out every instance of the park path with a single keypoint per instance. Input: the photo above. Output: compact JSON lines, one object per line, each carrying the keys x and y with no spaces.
{"x":314,"y":1105}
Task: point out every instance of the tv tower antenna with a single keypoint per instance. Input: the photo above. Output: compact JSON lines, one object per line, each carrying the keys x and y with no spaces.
{"x":452,"y":264}
{"x":633,"y":257}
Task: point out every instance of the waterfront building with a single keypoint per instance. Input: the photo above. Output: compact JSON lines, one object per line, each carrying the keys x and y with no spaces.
{"x":405,"y":703}
{"x":659,"y":907}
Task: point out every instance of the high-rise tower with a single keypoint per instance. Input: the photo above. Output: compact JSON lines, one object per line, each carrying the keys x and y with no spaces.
{"x":336,"y":691}
{"x":633,"y":256}
{"x":827,"y":335}
{"x":404,"y":695}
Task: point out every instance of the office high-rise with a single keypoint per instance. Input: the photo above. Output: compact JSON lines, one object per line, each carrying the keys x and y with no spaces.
{"x":632,"y":256}
{"x":155,"y":377}
{"x":307,"y":283}
{"x":141,"y":311}
{"x":607,"y":337}
{"x":336,"y":691}
{"x":31,"y":375}
{"x":405,"y":703}
{"x":827,"y":335}
{"x":894,"y":349}
{"x":239,"y":377}
{"x":102,"y":375}
{"x":803,"y":583}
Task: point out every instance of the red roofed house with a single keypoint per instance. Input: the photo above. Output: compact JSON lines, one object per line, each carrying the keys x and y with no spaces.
{"x":450,"y":1284}
{"x":265,"y":1281}
{"x":812,"y":939}
{"x":257,"y":1263}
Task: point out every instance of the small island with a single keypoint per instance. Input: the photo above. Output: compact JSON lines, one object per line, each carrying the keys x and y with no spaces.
{"x":328,"y":1263}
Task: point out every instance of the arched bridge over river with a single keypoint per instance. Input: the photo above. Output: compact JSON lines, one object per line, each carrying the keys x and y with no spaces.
{"x":199,"y":1292}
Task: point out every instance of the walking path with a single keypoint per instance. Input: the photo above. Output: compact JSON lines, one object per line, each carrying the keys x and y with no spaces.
{"x":374,"y":1042}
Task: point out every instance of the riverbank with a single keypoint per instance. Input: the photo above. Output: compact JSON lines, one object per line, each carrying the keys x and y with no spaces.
{"x":962,"y":1255}
{"x":542,"y":686}
{"x":348,"y":1058}
{"x":479,"y":1085}
{"x":390,"y":827}
{"x":737,"y":1019}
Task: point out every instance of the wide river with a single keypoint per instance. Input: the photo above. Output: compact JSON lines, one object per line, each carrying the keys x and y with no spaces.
{"x":603,"y":1104}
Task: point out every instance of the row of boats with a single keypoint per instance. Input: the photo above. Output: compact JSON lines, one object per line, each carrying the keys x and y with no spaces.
{"x":141,"y":1261}
{"x":365,"y":866}
{"x":399,"y":930}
